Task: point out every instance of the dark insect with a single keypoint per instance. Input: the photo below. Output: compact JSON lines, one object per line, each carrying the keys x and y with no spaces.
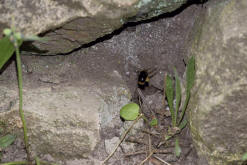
{"x":144,"y":77}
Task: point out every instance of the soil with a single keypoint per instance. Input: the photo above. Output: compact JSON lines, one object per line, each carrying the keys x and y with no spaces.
{"x":160,"y":44}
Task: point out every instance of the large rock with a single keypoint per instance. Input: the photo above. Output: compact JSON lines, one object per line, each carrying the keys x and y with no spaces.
{"x":65,"y":110}
{"x":90,"y":81}
{"x":219,"y":107}
{"x":72,"y":24}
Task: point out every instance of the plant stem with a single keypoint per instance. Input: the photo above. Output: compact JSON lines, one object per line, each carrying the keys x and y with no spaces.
{"x":15,"y":163}
{"x":149,"y":156}
{"x":121,"y":140}
{"x":19,"y":71}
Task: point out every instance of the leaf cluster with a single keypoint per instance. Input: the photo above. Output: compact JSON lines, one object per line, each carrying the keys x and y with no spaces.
{"x":178,"y":112}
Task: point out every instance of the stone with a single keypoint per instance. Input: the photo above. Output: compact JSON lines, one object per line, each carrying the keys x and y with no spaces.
{"x":64,"y":113}
{"x":69,"y":25}
{"x":218,"y":108}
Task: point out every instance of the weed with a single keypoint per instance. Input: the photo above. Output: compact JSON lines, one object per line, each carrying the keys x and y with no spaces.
{"x":8,"y":45}
{"x":131,"y":111}
{"x":178,"y":120}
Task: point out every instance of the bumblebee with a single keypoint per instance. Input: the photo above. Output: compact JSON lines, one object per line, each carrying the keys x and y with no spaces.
{"x":144,"y":77}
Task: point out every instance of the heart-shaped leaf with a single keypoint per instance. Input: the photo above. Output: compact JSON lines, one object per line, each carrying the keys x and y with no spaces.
{"x":130,"y":111}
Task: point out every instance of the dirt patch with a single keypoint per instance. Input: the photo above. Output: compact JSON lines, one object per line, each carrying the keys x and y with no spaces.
{"x":159,"y":43}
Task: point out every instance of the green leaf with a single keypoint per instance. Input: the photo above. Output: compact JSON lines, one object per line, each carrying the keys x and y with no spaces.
{"x":6,"y":50}
{"x":169,"y":95}
{"x":130,"y":111}
{"x":154,"y":122}
{"x":37,"y":161}
{"x":184,"y":107}
{"x":244,"y":158}
{"x":177,"y":148}
{"x":190,"y":74}
{"x":182,"y":124}
{"x":178,"y":95}
{"x":7,"y":32}
{"x":6,"y":140}
{"x":190,"y":78}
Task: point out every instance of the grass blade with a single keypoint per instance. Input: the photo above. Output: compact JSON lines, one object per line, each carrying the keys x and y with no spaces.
{"x":177,"y":148}
{"x":182,"y":124}
{"x":190,"y":78}
{"x":184,"y":107}
{"x":178,"y":95}
{"x":190,"y":74}
{"x":169,"y":95}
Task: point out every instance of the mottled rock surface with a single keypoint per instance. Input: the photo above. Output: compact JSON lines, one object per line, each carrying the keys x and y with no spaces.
{"x":219,"y":107}
{"x":96,"y":73}
{"x":70,"y":24}
{"x":64,"y":113}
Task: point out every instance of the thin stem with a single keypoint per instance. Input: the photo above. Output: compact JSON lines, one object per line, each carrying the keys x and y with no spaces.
{"x":15,"y":163}
{"x":121,"y":140}
{"x":161,"y":160}
{"x":149,"y":156}
{"x":19,"y":71}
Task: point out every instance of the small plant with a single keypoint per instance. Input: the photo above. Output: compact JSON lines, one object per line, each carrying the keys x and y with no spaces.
{"x":131,"y":111}
{"x":177,"y":114}
{"x":8,"y":45}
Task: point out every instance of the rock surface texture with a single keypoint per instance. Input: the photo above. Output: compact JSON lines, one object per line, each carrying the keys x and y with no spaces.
{"x":64,"y":110}
{"x":72,"y":102}
{"x":70,"y":24}
{"x":219,"y":107}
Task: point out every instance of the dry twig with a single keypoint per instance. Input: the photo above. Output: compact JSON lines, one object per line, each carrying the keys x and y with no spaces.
{"x":123,"y":137}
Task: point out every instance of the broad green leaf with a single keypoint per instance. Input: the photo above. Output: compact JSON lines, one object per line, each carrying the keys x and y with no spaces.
{"x":130,"y":111}
{"x":154,"y":122}
{"x":177,"y":148}
{"x":178,"y":95}
{"x":244,"y":158}
{"x":182,"y":124}
{"x":6,"y":50}
{"x":169,"y":95}
{"x":6,"y":140}
{"x":190,"y":74}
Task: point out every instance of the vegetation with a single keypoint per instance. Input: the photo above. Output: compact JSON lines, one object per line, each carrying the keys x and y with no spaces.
{"x":131,"y":111}
{"x":8,"y":45}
